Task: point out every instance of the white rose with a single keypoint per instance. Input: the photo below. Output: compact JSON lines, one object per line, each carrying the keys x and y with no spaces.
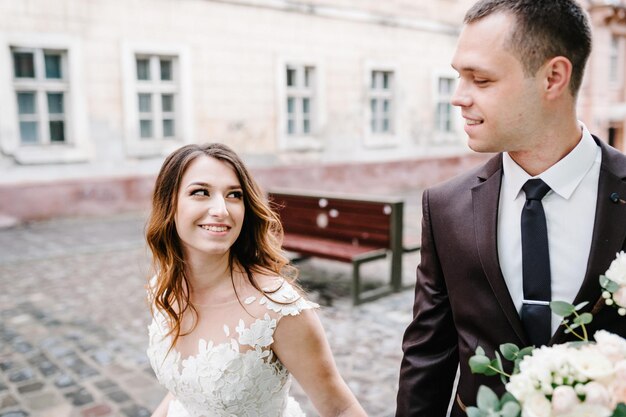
{"x":564,"y":399}
{"x":521,"y":386}
{"x":536,"y":405}
{"x":591,"y":363}
{"x":617,"y":270}
{"x":597,"y":394}
{"x":611,"y":345}
{"x":543,"y":363}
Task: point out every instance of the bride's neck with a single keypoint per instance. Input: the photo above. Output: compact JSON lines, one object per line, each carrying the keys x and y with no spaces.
{"x":208,"y":274}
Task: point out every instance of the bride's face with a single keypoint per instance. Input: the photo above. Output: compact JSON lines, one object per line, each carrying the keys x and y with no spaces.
{"x":210,"y":208}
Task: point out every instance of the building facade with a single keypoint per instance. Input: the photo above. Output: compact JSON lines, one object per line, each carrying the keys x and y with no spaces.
{"x":93,"y":90}
{"x":111,"y":86}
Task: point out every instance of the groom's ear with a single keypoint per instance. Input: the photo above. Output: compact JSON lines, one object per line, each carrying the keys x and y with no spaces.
{"x":556,"y":75}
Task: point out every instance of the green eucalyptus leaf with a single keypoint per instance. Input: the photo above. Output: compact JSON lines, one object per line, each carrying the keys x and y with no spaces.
{"x":480,"y":351}
{"x":509,"y":351}
{"x":474,"y":412}
{"x":584,"y":318}
{"x":511,"y":409}
{"x":493,"y":367}
{"x":500,"y":368}
{"x":607,"y":284}
{"x":487,"y":399}
{"x":522,"y":353}
{"x":479,"y":364}
{"x":507,"y":397}
{"x":561,"y":308}
{"x":525,"y":351}
{"x":581,"y":305}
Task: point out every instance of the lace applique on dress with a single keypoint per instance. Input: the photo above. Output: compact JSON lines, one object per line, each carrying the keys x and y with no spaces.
{"x":238,"y":378}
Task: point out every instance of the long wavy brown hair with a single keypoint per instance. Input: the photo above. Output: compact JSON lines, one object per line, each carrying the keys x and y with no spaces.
{"x":256,"y":250}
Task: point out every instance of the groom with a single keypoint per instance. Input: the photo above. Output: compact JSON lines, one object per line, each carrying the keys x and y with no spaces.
{"x":538,"y":222}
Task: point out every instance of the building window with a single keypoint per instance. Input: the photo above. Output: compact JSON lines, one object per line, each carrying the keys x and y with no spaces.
{"x":41,"y":89}
{"x":300,"y":87}
{"x":381,"y":102}
{"x":157,"y":92}
{"x":444,"y":112}
{"x":614,"y":59}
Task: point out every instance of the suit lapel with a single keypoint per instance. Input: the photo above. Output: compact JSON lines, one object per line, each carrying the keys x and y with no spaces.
{"x":609,"y":230}
{"x":485,"y":197}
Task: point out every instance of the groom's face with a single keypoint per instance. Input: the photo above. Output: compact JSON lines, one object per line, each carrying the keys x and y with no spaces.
{"x":500,"y":104}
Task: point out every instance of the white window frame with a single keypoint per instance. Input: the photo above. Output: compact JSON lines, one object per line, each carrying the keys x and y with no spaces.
{"x":180,"y":87}
{"x":300,"y":141}
{"x":40,"y":86}
{"x":381,"y":139}
{"x":616,"y":45}
{"x":77,"y":147}
{"x":442,"y":136}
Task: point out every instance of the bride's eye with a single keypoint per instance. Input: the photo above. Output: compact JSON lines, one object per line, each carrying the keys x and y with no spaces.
{"x":236,"y":194}
{"x":200,"y":192}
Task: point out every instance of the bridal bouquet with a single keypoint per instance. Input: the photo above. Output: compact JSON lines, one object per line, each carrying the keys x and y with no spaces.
{"x":577,"y":379}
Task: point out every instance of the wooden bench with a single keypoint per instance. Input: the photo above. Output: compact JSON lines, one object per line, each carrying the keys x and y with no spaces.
{"x":345,"y":229}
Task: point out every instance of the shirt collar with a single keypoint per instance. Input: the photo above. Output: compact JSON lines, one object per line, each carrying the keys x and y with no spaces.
{"x":562,"y":177}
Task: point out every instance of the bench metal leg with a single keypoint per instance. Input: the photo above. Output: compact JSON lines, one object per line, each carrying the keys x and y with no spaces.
{"x":359,"y":297}
{"x":356,"y":283}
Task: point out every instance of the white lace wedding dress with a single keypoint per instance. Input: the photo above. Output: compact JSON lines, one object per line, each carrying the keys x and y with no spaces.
{"x":237,"y":376}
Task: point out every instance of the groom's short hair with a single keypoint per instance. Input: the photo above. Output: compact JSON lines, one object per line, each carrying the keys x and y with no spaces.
{"x":543,"y":30}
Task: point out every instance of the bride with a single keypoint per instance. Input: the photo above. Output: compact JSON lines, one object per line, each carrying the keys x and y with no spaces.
{"x":228,"y":327}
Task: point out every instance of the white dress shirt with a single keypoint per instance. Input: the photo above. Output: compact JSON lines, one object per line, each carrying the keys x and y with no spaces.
{"x":570,"y":209}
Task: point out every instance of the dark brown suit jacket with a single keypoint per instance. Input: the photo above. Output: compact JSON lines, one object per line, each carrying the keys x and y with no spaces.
{"x":461,"y":298}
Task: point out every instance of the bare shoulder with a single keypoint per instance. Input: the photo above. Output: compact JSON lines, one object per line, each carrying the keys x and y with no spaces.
{"x":269,"y":282}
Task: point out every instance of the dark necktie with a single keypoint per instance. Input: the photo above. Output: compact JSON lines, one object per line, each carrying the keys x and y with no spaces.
{"x":536,"y":315}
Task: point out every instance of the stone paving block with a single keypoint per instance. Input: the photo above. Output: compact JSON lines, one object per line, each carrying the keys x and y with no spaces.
{"x":64,"y":381}
{"x":8,"y":401}
{"x":79,"y":366}
{"x":136,"y":411}
{"x":32,"y":387}
{"x":3,"y":386}
{"x":105,"y":385}
{"x":59,"y":351}
{"x":80,"y":397}
{"x":21,"y":375}
{"x":21,"y":345}
{"x":8,"y":335}
{"x":102,"y":357}
{"x":44,"y":365}
{"x":118,"y":396}
{"x":6,"y":364}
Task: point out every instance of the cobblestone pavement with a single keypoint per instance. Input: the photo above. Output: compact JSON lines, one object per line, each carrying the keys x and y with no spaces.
{"x":73,"y":322}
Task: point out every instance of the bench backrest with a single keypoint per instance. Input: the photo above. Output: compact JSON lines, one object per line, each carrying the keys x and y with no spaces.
{"x":357,"y":221}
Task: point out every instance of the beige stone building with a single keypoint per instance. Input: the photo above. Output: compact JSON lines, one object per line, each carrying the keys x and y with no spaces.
{"x":93,"y":90}
{"x":108,"y":87}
